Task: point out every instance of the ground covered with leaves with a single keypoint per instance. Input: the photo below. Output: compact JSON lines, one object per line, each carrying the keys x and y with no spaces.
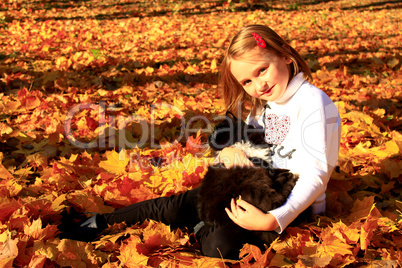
{"x":108,"y":103}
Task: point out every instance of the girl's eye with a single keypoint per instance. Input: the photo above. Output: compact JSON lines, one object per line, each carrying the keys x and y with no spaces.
{"x":262,"y":70}
{"x":247,"y":82}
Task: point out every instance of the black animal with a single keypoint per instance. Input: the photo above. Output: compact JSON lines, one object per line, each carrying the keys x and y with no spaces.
{"x":263,"y":186}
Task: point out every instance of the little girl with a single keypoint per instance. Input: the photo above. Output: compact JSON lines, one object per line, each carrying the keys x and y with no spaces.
{"x":298,"y":118}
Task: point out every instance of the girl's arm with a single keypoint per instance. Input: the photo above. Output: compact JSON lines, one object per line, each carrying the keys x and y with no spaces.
{"x":315,"y":157}
{"x":251,"y":218}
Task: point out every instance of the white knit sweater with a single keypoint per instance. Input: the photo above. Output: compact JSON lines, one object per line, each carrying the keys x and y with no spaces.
{"x":305,"y":126}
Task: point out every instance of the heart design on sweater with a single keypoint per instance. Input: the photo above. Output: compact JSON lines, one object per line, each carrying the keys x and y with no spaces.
{"x":276,"y":128}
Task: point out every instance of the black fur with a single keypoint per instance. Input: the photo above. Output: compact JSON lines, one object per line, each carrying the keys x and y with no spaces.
{"x":263,"y":186}
{"x":232,"y":130}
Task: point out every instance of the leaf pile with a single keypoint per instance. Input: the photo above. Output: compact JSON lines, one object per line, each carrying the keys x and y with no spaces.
{"x":135,"y":83}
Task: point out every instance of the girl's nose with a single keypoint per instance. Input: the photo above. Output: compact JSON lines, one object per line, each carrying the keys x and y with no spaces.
{"x":259,"y":84}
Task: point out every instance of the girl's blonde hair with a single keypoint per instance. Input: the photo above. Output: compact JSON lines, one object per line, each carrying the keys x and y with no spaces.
{"x":236,"y":99}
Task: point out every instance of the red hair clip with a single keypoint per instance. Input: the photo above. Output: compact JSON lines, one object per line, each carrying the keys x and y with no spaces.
{"x":260,"y":41}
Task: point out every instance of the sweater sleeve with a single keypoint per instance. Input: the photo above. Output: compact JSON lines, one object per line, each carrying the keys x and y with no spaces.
{"x":318,"y":153}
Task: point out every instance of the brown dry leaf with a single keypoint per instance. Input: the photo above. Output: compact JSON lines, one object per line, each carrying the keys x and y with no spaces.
{"x":280,"y":260}
{"x":315,"y":261}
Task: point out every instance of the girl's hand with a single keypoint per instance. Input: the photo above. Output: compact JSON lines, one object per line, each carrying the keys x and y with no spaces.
{"x":234,"y":157}
{"x":250,"y":217}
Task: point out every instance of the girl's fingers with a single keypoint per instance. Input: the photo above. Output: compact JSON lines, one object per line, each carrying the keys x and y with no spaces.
{"x":233,"y":207}
{"x":243,"y":204}
{"x":230,"y":214}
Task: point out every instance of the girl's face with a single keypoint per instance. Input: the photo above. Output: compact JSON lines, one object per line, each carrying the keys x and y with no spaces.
{"x":262,"y":75}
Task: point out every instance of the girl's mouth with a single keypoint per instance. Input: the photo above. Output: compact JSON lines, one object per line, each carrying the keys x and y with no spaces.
{"x":268,"y":92}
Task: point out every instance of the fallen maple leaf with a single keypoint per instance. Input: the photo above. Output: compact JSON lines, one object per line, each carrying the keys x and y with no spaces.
{"x":8,"y":250}
{"x":367,"y":229}
{"x":363,"y":208}
{"x":115,"y":162}
{"x":36,"y":231}
{"x":315,"y":261}
{"x":129,"y":256}
{"x":88,"y":202}
{"x":79,"y":254}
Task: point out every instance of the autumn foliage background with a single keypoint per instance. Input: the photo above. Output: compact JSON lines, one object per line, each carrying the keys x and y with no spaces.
{"x":138,"y":64}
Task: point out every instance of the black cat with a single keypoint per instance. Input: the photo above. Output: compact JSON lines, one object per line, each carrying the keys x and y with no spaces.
{"x":262,"y":186}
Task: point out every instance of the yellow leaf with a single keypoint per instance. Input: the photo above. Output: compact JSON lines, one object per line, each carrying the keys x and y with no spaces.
{"x":334,"y":246}
{"x":57,"y":203}
{"x":9,"y":251}
{"x":115,"y":162}
{"x":213,"y":65}
{"x":149,"y":70}
{"x":49,"y":250}
{"x":191,"y":69}
{"x":4,"y":129}
{"x":389,"y":149}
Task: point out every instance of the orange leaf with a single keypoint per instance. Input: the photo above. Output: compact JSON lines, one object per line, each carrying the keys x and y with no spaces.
{"x":157,"y":235}
{"x":30,"y":99}
{"x":129,"y":256}
{"x":332,"y":245}
{"x":292,"y":245}
{"x":347,"y":234}
{"x":362,"y":208}
{"x":4,"y":173}
{"x":36,"y":231}
{"x":367,"y":232}
{"x":7,"y":207}
{"x":193,"y":145}
{"x":79,"y":254}
{"x":37,"y":261}
{"x":88,"y":202}
{"x":249,"y":253}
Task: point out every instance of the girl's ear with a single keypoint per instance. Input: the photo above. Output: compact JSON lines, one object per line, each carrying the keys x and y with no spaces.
{"x":287,"y":48}
{"x":288,"y":60}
